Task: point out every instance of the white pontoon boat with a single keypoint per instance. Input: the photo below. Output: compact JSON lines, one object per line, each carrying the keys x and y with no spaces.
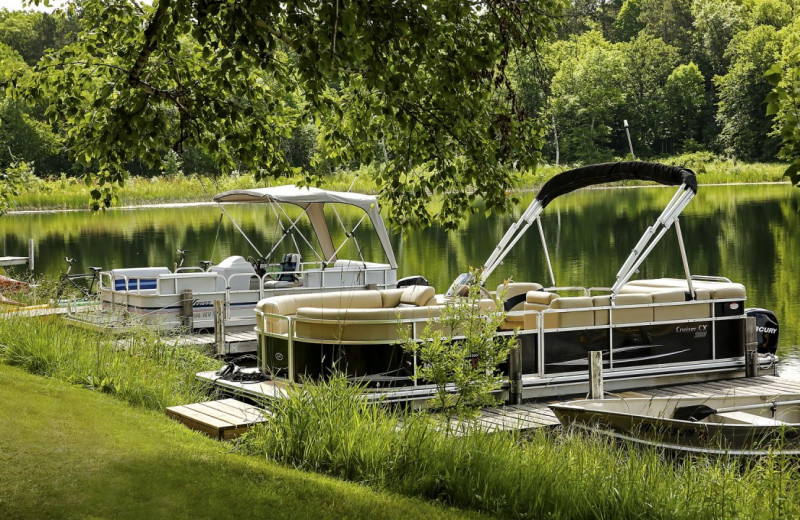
{"x":157,"y":294}
{"x":660,"y":331}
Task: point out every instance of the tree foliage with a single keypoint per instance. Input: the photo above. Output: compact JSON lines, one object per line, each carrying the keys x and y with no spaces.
{"x":783,"y":102}
{"x":460,"y":353}
{"x":744,"y":129}
{"x":427,"y":80}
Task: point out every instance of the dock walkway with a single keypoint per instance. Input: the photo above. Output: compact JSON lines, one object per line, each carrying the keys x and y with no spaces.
{"x":529,"y":416}
{"x":521,"y":417}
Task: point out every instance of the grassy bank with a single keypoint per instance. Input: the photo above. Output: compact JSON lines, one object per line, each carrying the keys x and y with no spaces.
{"x":326,"y":429}
{"x":69,"y":453}
{"x":71,"y":193}
{"x":147,"y":371}
{"x":546,"y":475}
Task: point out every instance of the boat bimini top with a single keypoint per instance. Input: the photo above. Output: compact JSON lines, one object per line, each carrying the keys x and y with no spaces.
{"x":572,"y":180}
{"x":313,"y":201}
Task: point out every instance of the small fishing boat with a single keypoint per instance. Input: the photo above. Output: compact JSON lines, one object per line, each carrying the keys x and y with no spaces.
{"x":650,"y":331}
{"x":158,"y":295}
{"x":735,"y":424}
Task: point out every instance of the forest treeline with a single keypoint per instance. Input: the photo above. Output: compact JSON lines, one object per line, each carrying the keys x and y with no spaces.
{"x":686,"y":75}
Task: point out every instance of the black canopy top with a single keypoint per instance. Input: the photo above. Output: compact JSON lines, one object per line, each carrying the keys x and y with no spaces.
{"x":572,"y":180}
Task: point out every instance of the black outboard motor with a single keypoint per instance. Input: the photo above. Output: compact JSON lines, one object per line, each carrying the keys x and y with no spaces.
{"x":412,"y":280}
{"x":766,"y":330}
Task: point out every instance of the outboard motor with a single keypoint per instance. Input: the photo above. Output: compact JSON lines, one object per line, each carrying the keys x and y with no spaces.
{"x":766,"y":330}
{"x":412,"y":280}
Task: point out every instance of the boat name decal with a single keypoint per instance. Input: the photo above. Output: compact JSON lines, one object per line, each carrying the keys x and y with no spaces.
{"x":700,"y":331}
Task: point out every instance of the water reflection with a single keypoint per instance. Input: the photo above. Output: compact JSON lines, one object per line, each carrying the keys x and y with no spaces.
{"x":750,"y":234}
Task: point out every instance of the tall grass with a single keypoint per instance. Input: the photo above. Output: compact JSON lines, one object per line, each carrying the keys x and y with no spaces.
{"x":547,"y":474}
{"x":71,"y":193}
{"x":144,"y":370}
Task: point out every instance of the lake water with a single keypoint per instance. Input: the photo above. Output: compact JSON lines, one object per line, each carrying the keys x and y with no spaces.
{"x":750,"y":234}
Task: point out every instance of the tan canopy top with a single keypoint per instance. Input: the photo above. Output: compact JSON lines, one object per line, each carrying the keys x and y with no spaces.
{"x":312,"y":201}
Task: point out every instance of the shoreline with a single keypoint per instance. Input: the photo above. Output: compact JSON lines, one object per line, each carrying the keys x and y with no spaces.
{"x":167,"y":205}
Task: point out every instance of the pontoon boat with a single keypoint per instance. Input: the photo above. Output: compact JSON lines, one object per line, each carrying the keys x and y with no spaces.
{"x":656,"y":331}
{"x":157,"y":294}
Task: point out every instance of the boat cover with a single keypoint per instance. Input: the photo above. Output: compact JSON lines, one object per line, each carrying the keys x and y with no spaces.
{"x":312,"y":200}
{"x":572,"y":180}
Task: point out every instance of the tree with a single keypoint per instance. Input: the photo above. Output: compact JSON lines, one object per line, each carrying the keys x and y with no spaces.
{"x":627,"y":25}
{"x":745,"y":128}
{"x":427,"y":79}
{"x":460,"y":353}
{"x":776,"y":13}
{"x":684,"y":104}
{"x":587,"y":96}
{"x":715,"y":24}
{"x":670,"y":20}
{"x":783,"y":102}
{"x":647,"y":63}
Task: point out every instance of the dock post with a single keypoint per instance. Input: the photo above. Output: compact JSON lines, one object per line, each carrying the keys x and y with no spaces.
{"x":515,"y":375}
{"x":750,"y":347}
{"x":30,"y":254}
{"x":219,"y":326}
{"x":187,"y":310}
{"x":596,"y":374}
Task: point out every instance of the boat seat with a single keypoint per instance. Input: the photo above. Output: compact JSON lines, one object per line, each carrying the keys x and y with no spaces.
{"x":417,"y":295}
{"x":287,"y":305}
{"x":633,"y":308}
{"x":391,"y":297}
{"x":537,"y":301}
{"x":685,"y":310}
{"x":348,"y":324}
{"x":176,"y":283}
{"x":515,"y":293}
{"x":237,"y":271}
{"x":717,"y":290}
{"x":743,"y":417}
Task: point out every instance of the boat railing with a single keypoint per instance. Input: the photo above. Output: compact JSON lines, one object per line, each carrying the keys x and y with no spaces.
{"x":190,"y":269}
{"x":709,"y":278}
{"x":413,"y":333}
{"x":413,"y":326}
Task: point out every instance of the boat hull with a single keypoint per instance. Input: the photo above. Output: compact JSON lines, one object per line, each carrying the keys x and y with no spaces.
{"x":650,"y":421}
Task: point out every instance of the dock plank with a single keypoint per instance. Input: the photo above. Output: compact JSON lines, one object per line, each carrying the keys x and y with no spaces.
{"x":224,"y":419}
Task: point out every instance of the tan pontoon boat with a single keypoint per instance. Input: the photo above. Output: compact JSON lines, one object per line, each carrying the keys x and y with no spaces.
{"x":657,"y":331}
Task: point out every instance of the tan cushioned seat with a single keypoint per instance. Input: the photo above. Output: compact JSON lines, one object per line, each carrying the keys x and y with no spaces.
{"x":287,"y":305}
{"x":391,"y":297}
{"x":512,"y":289}
{"x":685,"y":310}
{"x":347,"y":324}
{"x":535,"y":301}
{"x":418,"y":295}
{"x":718,"y":290}
{"x":733,"y":291}
{"x":641,"y":312}
{"x":572,"y":318}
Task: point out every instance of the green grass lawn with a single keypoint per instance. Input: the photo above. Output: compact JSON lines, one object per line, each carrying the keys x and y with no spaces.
{"x":70,"y":453}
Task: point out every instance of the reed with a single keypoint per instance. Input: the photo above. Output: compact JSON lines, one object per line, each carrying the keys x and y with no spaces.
{"x":142,"y":368}
{"x":325,"y":427}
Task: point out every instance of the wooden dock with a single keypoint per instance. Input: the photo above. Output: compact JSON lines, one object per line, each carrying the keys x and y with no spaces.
{"x":533,"y":415}
{"x":7,"y":261}
{"x":235,"y":342}
{"x":225,"y":419}
{"x":537,"y":414}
